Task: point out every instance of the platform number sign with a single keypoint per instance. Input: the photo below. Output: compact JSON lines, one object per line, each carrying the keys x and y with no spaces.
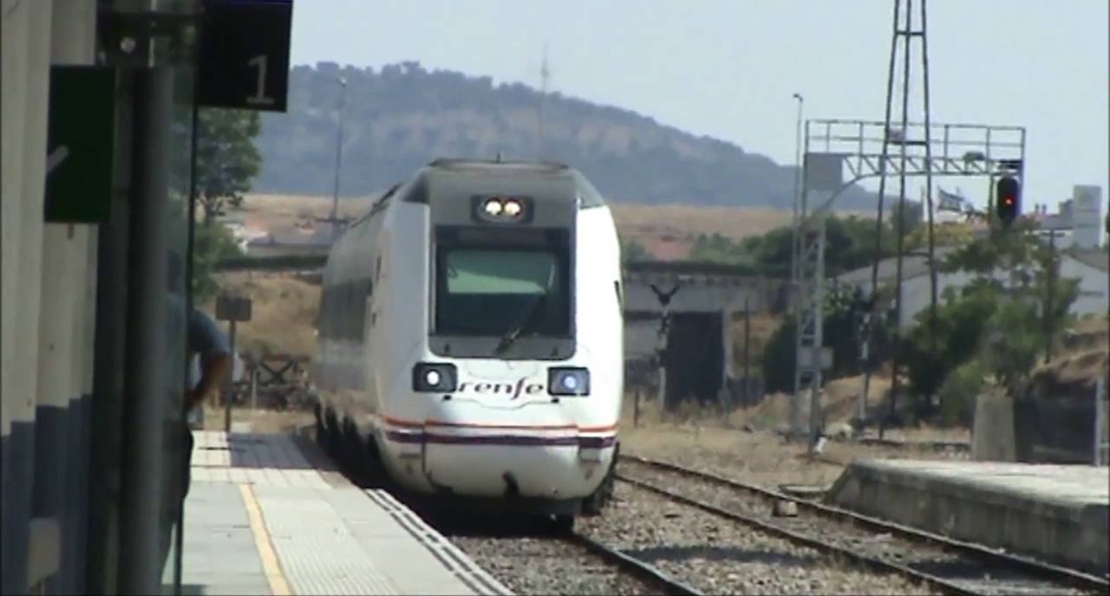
{"x":244,"y":54}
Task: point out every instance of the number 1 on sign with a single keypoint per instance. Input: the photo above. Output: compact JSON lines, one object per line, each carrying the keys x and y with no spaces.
{"x":260,"y":98}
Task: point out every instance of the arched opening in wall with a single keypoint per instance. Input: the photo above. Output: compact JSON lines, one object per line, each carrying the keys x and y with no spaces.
{"x":695,"y":358}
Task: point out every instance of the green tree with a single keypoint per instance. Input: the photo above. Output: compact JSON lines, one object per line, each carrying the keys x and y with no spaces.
{"x":1013,"y":309}
{"x":842,"y":328}
{"x":632,"y":251}
{"x":958,"y":393}
{"x":913,"y":216}
{"x":716,"y":248}
{"x":211,"y":244}
{"x":849,"y":244}
{"x":227,"y":158}
{"x":961,"y":321}
{"x":771,"y":252}
{"x":944,"y":234}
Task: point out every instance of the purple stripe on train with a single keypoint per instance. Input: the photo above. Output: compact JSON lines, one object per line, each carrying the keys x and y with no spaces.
{"x":513,"y":440}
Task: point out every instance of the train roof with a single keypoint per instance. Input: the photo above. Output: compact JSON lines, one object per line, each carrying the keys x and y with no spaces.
{"x":450,"y":179}
{"x":491,"y":165}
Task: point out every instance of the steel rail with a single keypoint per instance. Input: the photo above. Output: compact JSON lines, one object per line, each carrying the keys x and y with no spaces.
{"x":1063,"y":575}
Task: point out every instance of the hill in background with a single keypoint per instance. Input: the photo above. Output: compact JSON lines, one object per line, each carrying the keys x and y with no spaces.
{"x":403,"y":116}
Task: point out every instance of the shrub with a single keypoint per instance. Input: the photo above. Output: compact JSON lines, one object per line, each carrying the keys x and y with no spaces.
{"x":958,"y":394}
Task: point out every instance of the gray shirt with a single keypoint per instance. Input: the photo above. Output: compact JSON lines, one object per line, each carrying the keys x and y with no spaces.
{"x":206,"y":339}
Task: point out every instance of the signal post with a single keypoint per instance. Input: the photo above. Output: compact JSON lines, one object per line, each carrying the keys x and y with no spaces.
{"x":858,"y":146}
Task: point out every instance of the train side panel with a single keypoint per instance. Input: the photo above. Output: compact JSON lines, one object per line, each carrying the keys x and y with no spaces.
{"x":600,"y":326}
{"x":341,"y":369}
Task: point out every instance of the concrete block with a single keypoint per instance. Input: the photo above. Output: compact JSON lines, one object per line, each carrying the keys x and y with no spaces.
{"x":992,"y":434}
{"x":1059,"y":514}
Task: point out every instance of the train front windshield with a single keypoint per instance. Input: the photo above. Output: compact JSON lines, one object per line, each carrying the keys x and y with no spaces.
{"x":500,"y":291}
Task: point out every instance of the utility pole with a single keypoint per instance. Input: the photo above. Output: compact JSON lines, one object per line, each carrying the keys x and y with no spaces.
{"x":747,"y":352}
{"x":1051,"y":273}
{"x":795,"y":274}
{"x":545,"y":78}
{"x":905,"y":32}
{"x":338,"y":158}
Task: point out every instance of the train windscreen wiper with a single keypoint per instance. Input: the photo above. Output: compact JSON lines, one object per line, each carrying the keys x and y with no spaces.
{"x":526,"y":317}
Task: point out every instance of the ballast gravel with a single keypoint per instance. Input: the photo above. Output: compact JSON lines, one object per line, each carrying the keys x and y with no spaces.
{"x":719,"y":556}
{"x":549,"y":566}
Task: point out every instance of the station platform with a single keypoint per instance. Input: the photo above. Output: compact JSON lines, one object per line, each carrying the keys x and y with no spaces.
{"x":1057,"y":514}
{"x":269,"y":514}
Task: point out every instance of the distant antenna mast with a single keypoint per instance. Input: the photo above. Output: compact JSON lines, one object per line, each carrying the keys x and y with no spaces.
{"x":906,"y":31}
{"x":545,"y":78}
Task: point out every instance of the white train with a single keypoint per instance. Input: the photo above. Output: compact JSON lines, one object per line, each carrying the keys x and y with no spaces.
{"x":470,"y":338}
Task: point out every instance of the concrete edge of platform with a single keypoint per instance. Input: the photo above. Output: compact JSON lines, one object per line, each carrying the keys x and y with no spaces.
{"x":452,"y":558}
{"x":1056,"y":531}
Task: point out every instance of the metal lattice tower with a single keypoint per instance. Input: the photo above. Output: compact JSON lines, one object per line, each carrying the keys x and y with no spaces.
{"x":906,"y":31}
{"x":864,"y":149}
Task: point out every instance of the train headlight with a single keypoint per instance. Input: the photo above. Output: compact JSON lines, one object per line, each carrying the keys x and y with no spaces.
{"x":512,"y":210}
{"x":434,"y":377}
{"x":492,"y":207}
{"x":568,"y":381}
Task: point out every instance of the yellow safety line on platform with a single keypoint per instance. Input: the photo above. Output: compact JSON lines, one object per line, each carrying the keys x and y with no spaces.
{"x":271,"y":565}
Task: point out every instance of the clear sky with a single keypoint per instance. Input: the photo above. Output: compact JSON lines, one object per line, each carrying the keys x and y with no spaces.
{"x":728,"y":68}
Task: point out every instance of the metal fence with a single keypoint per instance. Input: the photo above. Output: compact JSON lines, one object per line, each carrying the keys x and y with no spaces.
{"x":272,"y":381}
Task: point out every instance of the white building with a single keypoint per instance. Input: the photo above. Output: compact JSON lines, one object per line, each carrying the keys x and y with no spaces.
{"x":1090,"y":267}
{"x":1078,"y":222}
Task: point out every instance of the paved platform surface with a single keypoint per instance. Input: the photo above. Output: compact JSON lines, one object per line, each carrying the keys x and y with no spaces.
{"x":1059,"y":514}
{"x":269,"y":514}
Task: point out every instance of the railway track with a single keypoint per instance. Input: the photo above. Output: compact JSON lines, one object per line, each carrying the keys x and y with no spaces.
{"x":646,"y":572}
{"x":951,"y":566}
{"x":530,"y":559}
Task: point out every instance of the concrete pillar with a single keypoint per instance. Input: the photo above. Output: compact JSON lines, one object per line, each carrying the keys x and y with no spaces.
{"x":992,"y":435}
{"x":17,"y":413}
{"x":26,"y":39}
{"x":65,"y":341}
{"x":140,"y":568}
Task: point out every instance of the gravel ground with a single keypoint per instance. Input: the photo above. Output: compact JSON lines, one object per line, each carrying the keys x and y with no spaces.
{"x":983,"y":577}
{"x":718,"y":556}
{"x":548,"y":566}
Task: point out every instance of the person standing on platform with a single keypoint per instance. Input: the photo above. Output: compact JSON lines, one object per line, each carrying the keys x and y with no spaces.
{"x":207,"y":344}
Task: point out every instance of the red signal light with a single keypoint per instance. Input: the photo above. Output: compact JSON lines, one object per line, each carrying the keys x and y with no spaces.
{"x":1006,"y":191}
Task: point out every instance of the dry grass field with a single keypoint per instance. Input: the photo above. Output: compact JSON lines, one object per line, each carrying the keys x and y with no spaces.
{"x":668,"y":231}
{"x":281,"y":214}
{"x":1085,"y":354}
{"x":283,"y":313}
{"x":761,"y":458}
